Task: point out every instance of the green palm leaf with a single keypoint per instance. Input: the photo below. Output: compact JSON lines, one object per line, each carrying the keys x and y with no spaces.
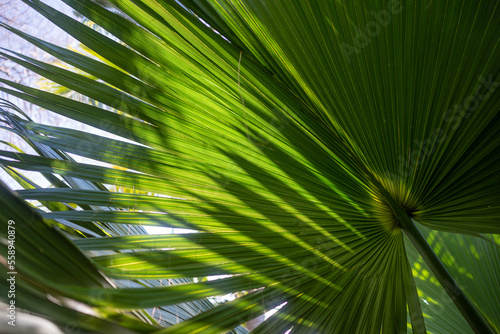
{"x":300,"y":141}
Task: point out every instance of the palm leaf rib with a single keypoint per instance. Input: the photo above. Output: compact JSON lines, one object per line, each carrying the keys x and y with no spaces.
{"x":336,"y":161}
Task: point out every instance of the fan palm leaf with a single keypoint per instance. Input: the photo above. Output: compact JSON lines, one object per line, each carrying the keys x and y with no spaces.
{"x":336,"y":160}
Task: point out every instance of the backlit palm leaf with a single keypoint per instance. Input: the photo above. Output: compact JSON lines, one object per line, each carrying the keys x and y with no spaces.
{"x":301,"y":140}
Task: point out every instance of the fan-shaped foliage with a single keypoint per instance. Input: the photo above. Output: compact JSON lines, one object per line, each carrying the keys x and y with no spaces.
{"x":338,"y":159}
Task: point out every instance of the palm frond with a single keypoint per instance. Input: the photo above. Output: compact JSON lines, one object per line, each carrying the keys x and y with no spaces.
{"x":300,"y":141}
